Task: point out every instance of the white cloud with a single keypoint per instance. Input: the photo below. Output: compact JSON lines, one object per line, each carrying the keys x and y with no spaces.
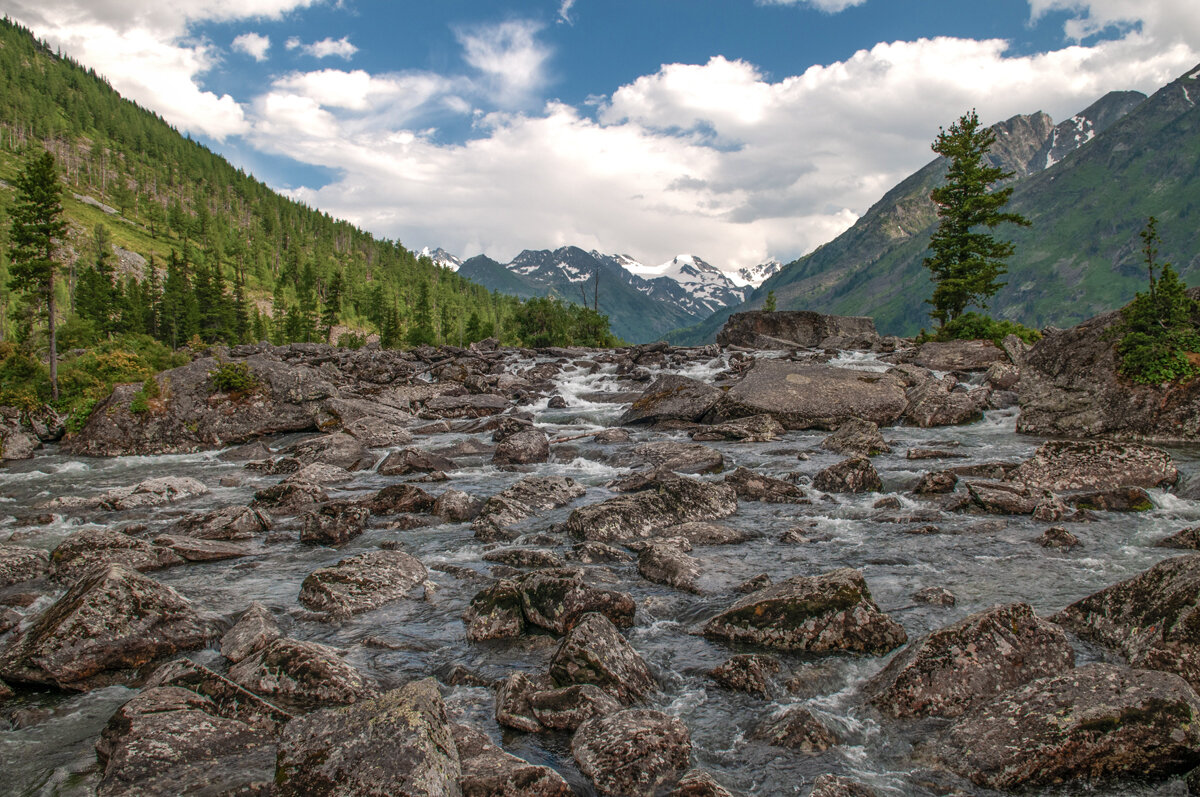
{"x":253,"y":45}
{"x":1164,"y":21}
{"x":509,"y":56}
{"x":342,"y":48}
{"x":828,"y":6}
{"x":564,"y":12}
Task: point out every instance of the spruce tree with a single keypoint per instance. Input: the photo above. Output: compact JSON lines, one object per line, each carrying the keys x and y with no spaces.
{"x":967,"y":262}
{"x":36,"y":222}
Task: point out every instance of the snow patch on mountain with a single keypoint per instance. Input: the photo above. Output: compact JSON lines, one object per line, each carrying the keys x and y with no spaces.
{"x":441,"y":257}
{"x":753,"y":276}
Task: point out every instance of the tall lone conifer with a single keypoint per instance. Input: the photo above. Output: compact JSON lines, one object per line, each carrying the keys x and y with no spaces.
{"x":36,"y":222}
{"x":967,"y":262}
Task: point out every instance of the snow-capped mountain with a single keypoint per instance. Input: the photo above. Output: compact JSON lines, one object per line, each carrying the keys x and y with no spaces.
{"x":441,"y":257}
{"x":756,"y":275}
{"x":688,"y":281}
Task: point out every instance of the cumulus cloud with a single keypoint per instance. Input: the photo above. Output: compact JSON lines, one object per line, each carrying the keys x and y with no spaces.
{"x":253,"y":45}
{"x":342,"y":48}
{"x":508,"y":55}
{"x":1164,"y":21}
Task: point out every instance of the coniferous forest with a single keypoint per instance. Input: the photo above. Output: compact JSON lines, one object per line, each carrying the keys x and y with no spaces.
{"x":170,"y":246}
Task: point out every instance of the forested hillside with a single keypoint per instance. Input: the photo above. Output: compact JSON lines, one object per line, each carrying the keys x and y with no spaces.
{"x":168,"y":240}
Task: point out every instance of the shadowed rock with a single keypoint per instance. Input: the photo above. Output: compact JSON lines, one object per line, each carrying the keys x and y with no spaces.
{"x":671,"y":398}
{"x":488,"y":771}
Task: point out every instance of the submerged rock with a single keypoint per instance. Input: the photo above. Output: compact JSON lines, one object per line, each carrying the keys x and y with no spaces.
{"x":112,"y":621}
{"x":362,"y":583}
{"x":819,"y":614}
{"x":632,"y":753}
{"x":397,"y":744}
{"x":1092,"y":724}
{"x":1151,"y":618}
{"x":946,"y":672}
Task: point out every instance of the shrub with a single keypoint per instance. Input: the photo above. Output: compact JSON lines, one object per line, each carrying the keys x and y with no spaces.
{"x":234,"y":378}
{"x":141,"y":400}
{"x":350,"y":340}
{"x":977,"y":326}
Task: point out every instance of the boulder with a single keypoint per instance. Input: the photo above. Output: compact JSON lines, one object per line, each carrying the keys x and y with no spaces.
{"x":18,"y":563}
{"x":169,"y":740}
{"x":230,"y":699}
{"x":795,"y":728}
{"x":289,"y":497}
{"x":513,"y":709}
{"x":338,"y":450}
{"x":1070,"y":388}
{"x":557,"y":600}
{"x":837,"y":786}
{"x":321,"y":473}
{"x":488,"y":771}
{"x":1057,"y":537}
{"x":334,"y":523}
{"x":527,"y":497}
{"x":306,"y":675}
{"x":671,"y":397}
{"x":397,"y":499}
{"x":376,"y":433}
{"x":589,"y":553}
{"x":936,"y":403}
{"x":525,"y":557}
{"x":92,"y":548}
{"x":952,"y":669}
{"x":936,"y":482}
{"x":523,"y":448}
{"x":254,"y":630}
{"x":1005,"y":498}
{"x":747,"y":672}
{"x":456,"y":506}
{"x":227,"y":523}
{"x":959,"y":355}
{"x":361,"y":583}
{"x":1095,"y":464}
{"x":632,"y":753}
{"x":935,"y":596}
{"x":470,"y":406}
{"x":1186,"y":539}
{"x":812,"y":396}
{"x":567,"y":708}
{"x":1113,"y":499}
{"x":751,"y":429}
{"x":751,"y":486}
{"x":151,"y":492}
{"x":698,"y":783}
{"x":1089,"y":726}
{"x":819,"y":614}
{"x":1151,"y":618}
{"x":673,"y":500}
{"x":412,"y":460}
{"x":664,"y":563}
{"x":858,"y":438}
{"x":191,"y":549}
{"x":400,"y":743}
{"x":495,"y":613}
{"x":677,"y":457}
{"x":854,"y":475}
{"x":17,"y":443}
{"x":594,"y":652}
{"x":789,"y":329}
{"x":1003,"y":376}
{"x":699,"y":532}
{"x":111,"y":621}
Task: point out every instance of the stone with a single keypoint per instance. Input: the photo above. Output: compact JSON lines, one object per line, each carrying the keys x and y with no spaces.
{"x":1151,"y":618}
{"x":321,"y":473}
{"x":937,"y":403}
{"x":751,"y":486}
{"x":935,"y":596}
{"x":671,"y":397}
{"x":111,"y":621}
{"x":1060,"y":465}
{"x":525,"y":557}
{"x":796,"y":728}
{"x":400,"y":743}
{"x":1113,"y":499}
{"x":1092,"y":725}
{"x":289,"y":497}
{"x":959,"y":355}
{"x":361,"y":583}
{"x":495,"y":613}
{"x":594,"y":652}
{"x":338,"y":449}
{"x":412,"y":460}
{"x":1187,"y":539}
{"x":667,"y":564}
{"x":253,"y":631}
{"x":837,"y":786}
{"x":678,"y":457}
{"x":227,"y":523}
{"x":456,"y":506}
{"x":374,"y":433}
{"x":790,"y":329}
{"x":190,"y":549}
{"x":513,"y":709}
{"x":812,"y":396}
{"x":856,"y":437}
{"x":471,"y":406}
{"x":488,"y":771}
{"x":632,"y":753}
{"x":525,"y":498}
{"x":93,"y":548}
{"x":1003,"y":376}
{"x":556,"y":601}
{"x":747,"y":672}
{"x":751,"y":429}
{"x":151,"y":492}
{"x":334,"y":523}
{"x":230,"y":699}
{"x":854,"y":475}
{"x":673,"y":500}
{"x":592,"y":552}
{"x":699,"y":532}
{"x":523,"y":448}
{"x":698,"y":783}
{"x":1057,"y":537}
{"x":567,"y":708}
{"x":306,"y":675}
{"x":1004,"y":498}
{"x":936,"y":482}
{"x":18,"y":563}
{"x":819,"y":614}
{"x":952,"y":669}
{"x":397,"y":499}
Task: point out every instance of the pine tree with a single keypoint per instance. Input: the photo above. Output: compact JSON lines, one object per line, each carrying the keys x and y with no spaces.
{"x":422,"y":332}
{"x":96,"y":297}
{"x":966,"y":262}
{"x":36,"y":222}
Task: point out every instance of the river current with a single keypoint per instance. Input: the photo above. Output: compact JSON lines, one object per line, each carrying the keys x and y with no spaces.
{"x":47,"y":737}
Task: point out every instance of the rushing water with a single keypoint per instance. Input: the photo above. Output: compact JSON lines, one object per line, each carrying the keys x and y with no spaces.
{"x":47,"y":737}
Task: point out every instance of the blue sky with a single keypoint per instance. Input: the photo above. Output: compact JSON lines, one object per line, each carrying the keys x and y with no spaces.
{"x":738,"y":130}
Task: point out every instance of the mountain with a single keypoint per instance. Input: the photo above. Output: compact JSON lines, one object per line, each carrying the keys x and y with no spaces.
{"x":757,"y":275}
{"x":442,"y":258}
{"x":874,"y":268}
{"x":699,"y":287}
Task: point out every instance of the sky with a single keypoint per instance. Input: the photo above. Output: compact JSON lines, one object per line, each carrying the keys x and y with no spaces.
{"x":735,"y":130}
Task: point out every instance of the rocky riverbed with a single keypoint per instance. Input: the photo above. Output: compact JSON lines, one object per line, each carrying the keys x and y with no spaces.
{"x":654,"y":570}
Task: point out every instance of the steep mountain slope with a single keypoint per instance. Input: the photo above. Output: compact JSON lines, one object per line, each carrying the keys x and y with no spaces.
{"x":874,"y":268}
{"x":699,"y":287}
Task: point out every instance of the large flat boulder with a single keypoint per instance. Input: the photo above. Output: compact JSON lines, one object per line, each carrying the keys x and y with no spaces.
{"x":798,"y":329}
{"x":1152,"y":618}
{"x":819,"y":614}
{"x":668,"y":502}
{"x":960,"y":355}
{"x":1060,"y":465}
{"x":812,"y":396}
{"x":1094,"y":724}
{"x":671,"y":397}
{"x":361,"y":583}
